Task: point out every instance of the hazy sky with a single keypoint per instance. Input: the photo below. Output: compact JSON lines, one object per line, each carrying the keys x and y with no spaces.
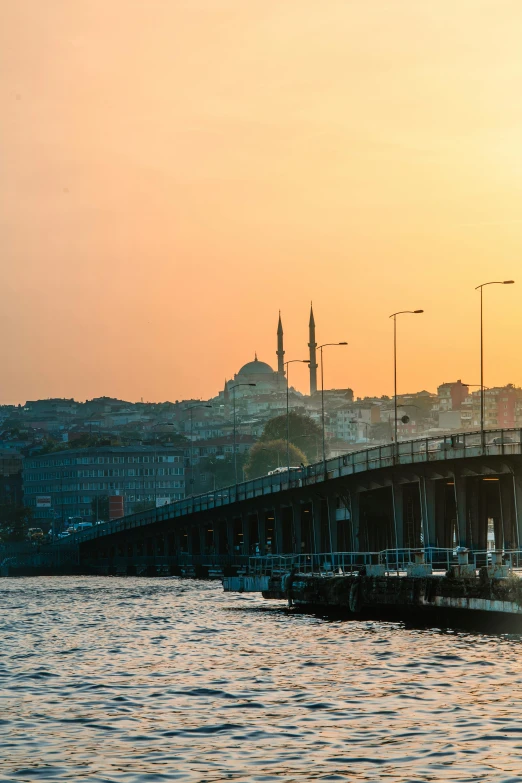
{"x":174,"y":172}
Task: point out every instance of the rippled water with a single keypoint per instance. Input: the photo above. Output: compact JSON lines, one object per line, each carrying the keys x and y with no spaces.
{"x":105,"y":679}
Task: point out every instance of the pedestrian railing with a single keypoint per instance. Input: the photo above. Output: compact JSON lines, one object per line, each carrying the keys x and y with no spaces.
{"x":385,"y":562}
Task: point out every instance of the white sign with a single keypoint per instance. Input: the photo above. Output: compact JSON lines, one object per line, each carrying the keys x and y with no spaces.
{"x":162,"y":502}
{"x":43,"y":501}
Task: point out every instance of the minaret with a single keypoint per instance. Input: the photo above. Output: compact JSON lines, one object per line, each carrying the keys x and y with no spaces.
{"x":312,"y":346}
{"x":280,"y":353}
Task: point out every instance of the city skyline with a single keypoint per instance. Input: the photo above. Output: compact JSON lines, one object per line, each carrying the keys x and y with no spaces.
{"x":154,"y":223}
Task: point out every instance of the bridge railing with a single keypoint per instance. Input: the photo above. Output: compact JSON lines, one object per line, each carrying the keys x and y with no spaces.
{"x":388,"y":561}
{"x":435,"y":448}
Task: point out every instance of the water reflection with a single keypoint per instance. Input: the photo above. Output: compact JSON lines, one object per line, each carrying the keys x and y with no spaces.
{"x":168,"y":680}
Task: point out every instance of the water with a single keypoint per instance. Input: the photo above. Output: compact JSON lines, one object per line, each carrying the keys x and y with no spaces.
{"x":168,"y":680}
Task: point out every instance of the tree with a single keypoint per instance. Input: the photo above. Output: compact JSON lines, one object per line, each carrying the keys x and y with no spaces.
{"x":143,"y":505}
{"x":221,"y":470}
{"x":14,"y":522}
{"x":268,"y":455}
{"x":100,"y":508}
{"x":304,"y":433}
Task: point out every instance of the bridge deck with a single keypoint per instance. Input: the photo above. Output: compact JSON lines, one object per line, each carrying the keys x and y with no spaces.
{"x":500,"y":442}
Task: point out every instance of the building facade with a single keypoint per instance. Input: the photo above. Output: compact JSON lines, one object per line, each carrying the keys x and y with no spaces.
{"x":451,"y":396}
{"x":74,"y":478}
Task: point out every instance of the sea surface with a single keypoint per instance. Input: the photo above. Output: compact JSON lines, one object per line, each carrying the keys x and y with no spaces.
{"x":127,"y":680}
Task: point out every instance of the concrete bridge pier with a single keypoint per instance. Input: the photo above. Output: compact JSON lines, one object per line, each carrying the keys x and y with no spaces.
{"x":331,"y":511}
{"x":252,"y":533}
{"x":298,"y":535}
{"x":508,"y":526}
{"x":245,"y":538}
{"x":315,"y":516}
{"x":261,"y":529}
{"x":428,"y":495}
{"x":277,"y":538}
{"x":354,"y":507}
{"x":517,"y":509}
{"x":461,"y":503}
{"x":398,"y":515}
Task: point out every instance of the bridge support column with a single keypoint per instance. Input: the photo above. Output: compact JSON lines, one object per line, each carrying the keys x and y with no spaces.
{"x":261,"y":527}
{"x":507,"y":514}
{"x":202,"y":537}
{"x":517,"y":497}
{"x":278,"y":531}
{"x":473,"y":492}
{"x":429,"y":514}
{"x":229,"y":536}
{"x":398,"y":514}
{"x":316,"y":525}
{"x":253,"y":533}
{"x":331,"y":502}
{"x":245,"y":526}
{"x":220,"y":536}
{"x":462,"y":511}
{"x":354,"y":506}
{"x":296,"y":513}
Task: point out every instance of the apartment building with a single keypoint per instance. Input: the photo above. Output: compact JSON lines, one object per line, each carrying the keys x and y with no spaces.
{"x":64,"y":484}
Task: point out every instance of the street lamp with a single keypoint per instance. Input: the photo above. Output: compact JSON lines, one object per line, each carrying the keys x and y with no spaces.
{"x":394,"y":316}
{"x":325,"y":345}
{"x":233,"y":390}
{"x":481,"y":286}
{"x":290,"y":361}
{"x":193,"y":408}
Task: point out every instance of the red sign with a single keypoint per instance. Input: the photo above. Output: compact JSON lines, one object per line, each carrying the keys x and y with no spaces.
{"x":116,"y":507}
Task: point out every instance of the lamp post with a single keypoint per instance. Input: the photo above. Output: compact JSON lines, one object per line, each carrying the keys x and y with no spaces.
{"x":193,"y":408}
{"x":290,"y":361}
{"x":325,"y":345}
{"x":394,"y":316}
{"x":233,"y":390}
{"x":481,"y":286}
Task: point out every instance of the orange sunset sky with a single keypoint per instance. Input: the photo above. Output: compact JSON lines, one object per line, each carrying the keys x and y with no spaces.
{"x":174,"y":172}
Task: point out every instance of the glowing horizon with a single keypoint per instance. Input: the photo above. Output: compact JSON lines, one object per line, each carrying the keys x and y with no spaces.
{"x":177,"y":173}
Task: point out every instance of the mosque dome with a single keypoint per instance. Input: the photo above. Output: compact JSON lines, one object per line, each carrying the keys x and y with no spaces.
{"x":256,"y":368}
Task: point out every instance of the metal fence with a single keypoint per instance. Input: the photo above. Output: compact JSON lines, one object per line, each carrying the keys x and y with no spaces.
{"x":449,"y":447}
{"x":388,"y":561}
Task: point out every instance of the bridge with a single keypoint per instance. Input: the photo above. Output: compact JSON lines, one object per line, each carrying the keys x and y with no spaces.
{"x":424,"y":493}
